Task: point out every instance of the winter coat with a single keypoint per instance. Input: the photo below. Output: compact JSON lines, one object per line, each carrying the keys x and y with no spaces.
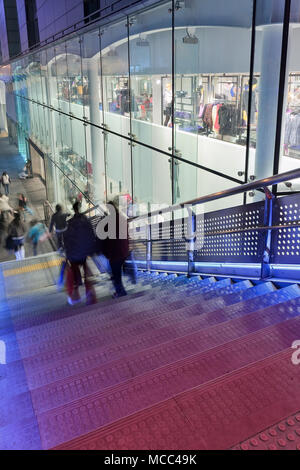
{"x":59,"y":219}
{"x":79,"y":239}
{"x":117,"y":249}
{"x":16,"y":230}
{"x":36,"y":232}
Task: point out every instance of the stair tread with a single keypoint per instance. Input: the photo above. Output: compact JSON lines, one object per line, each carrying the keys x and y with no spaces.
{"x":130,"y":366}
{"x":96,"y":318}
{"x":75,"y":344}
{"x":211,"y":416}
{"x":191,"y":362}
{"x":124,"y":399}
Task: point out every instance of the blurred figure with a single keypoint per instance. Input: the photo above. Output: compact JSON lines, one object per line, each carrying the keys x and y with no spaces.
{"x":79,"y":240}
{"x":5,"y":180}
{"x":23,"y":207}
{"x":2,"y":228}
{"x":35,"y":233}
{"x":16,"y":230}
{"x":5,"y":210}
{"x":116,"y":249}
{"x":25,"y":172}
{"x":59,"y":221}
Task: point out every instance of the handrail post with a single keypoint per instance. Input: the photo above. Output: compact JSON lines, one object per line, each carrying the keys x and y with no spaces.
{"x":268,"y":221}
{"x":190,"y":241}
{"x":149,"y":248}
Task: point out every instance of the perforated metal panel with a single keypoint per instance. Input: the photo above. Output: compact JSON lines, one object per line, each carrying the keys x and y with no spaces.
{"x":139,"y":248}
{"x":286,"y":241}
{"x":169,"y":244}
{"x":163,"y":242}
{"x":235,"y":247}
{"x":137,"y":243}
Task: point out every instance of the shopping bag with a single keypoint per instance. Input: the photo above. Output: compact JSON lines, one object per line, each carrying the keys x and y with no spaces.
{"x":45,"y":235}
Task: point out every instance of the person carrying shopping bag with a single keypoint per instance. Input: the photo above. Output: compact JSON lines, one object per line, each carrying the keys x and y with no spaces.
{"x":80,"y":242}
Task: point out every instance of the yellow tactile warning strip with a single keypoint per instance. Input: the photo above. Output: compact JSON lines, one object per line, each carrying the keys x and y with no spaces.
{"x":32,"y":267}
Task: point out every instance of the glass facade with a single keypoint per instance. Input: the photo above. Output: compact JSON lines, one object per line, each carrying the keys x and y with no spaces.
{"x":167,"y":104}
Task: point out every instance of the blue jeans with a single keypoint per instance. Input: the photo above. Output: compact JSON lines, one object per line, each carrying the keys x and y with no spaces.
{"x":60,"y":240}
{"x":133,"y":271}
{"x":6,"y":189}
{"x":28,"y":210}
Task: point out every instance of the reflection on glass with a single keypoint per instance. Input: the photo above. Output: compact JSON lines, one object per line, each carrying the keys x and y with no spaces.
{"x":151,"y":76}
{"x":290,"y":149}
{"x":115,"y":76}
{"x":119,"y":76}
{"x":152,"y":178}
{"x":118,"y":166}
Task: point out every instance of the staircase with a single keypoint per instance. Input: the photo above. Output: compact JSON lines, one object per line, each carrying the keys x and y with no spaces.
{"x":180,"y":363}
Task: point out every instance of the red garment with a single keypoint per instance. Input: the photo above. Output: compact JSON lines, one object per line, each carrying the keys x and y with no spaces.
{"x":73,"y":281}
{"x":217,"y":123}
{"x":89,"y":168}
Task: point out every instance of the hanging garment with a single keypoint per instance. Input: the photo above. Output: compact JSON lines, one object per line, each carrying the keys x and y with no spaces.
{"x":214,"y":116}
{"x":217,"y":121}
{"x":207,"y":117}
{"x":245,"y":101}
{"x":201,"y":110}
{"x":292,"y":130}
{"x":228,"y":118}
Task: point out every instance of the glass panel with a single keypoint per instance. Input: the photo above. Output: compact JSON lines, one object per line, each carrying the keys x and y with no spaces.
{"x":55,"y":135}
{"x":72,"y":158}
{"x":74,"y":81}
{"x":118,"y":166}
{"x":92,"y":90}
{"x":19,"y":85}
{"x":151,"y":178}
{"x":265,"y":88}
{"x":114,"y":62}
{"x":193,"y":182}
{"x":60,"y":71}
{"x":211,"y":61}
{"x":50,"y":181}
{"x":290,"y":149}
{"x":150,"y":49}
{"x":90,"y":47}
{"x":52,"y":72}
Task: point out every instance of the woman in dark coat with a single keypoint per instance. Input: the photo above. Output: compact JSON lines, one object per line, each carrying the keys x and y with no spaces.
{"x":116,"y":249}
{"x":80,"y":241}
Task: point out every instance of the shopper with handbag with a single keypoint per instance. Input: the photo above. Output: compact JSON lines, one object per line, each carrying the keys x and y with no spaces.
{"x":16,"y":233}
{"x":80,"y":242}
